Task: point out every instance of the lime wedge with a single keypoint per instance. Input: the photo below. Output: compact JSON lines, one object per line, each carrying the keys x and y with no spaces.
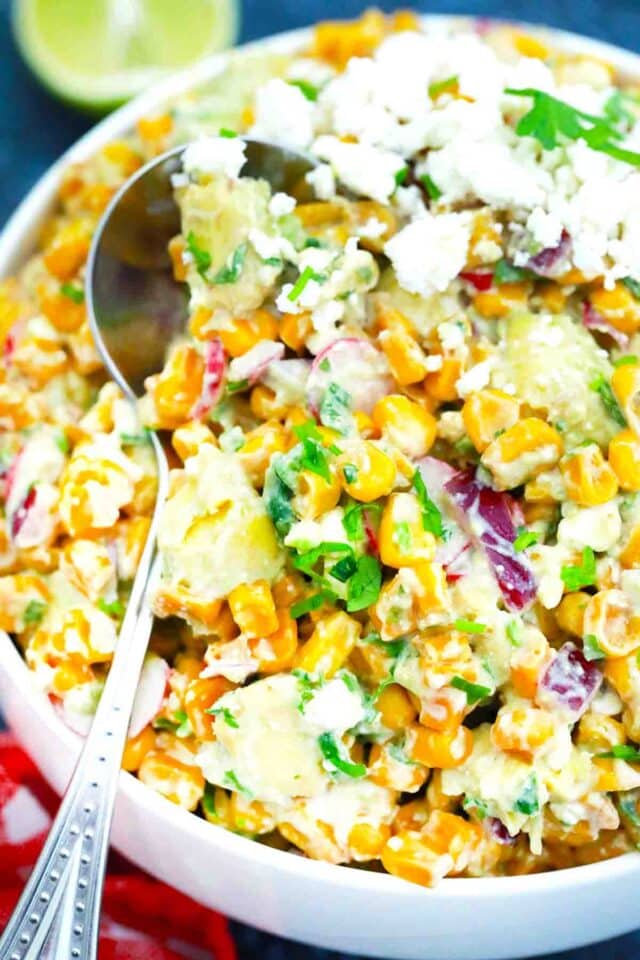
{"x":99,"y":53}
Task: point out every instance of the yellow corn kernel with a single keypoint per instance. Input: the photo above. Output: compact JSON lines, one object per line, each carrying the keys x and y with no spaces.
{"x":68,"y":251}
{"x":625,"y":383}
{"x":431,"y":591}
{"x":137,"y":748}
{"x":570,"y":612}
{"x":614,"y":775}
{"x":405,"y":20}
{"x":630,"y":556}
{"x":361,"y":212}
{"x":610,"y":619}
{"x":588,"y":478}
{"x":453,"y":836}
{"x":249,"y":817}
{"x":522,"y":730}
{"x":485,"y":244}
{"x":265,"y":405}
{"x":61,"y":311}
{"x":403,"y":539}
{"x":440,"y":384}
{"x":408,"y":855}
{"x":329,"y":645}
{"x":618,"y":306}
{"x":253,"y":609}
{"x":176,"y":248}
{"x":155,"y":128}
{"x":243,"y":333}
{"x":414,"y":815}
{"x":187,"y":439}
{"x":522,"y":451}
{"x":497,"y":303}
{"x":366,"y":472}
{"x":199,"y":696}
{"x":599,"y":733}
{"x":70,"y":674}
{"x":259,"y":447}
{"x":406,"y":424}
{"x":364,"y":425}
{"x":177,"y":389}
{"x":337,"y":42}
{"x":277,"y":652}
{"x":395,"y":708}
{"x":486,"y":413}
{"x":295,"y":328}
{"x":435,"y":799}
{"x":527,"y":663}
{"x":529,"y":46}
{"x":405,"y":355}
{"x":366,"y":840}
{"x":394,"y":611}
{"x":553,"y":297}
{"x":123,"y":156}
{"x":180,"y":602}
{"x":624,"y":459}
{"x":179,"y":782}
{"x":440,"y":749}
{"x":314,"y":495}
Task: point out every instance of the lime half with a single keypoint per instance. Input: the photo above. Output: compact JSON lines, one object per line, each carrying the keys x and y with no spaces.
{"x":99,"y":53}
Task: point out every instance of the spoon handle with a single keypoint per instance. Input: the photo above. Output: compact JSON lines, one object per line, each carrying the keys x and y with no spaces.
{"x":59,"y":911}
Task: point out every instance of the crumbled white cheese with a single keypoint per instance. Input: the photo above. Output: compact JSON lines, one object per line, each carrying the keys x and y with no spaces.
{"x":215,"y":155}
{"x":429,"y":253}
{"x":281,"y":204}
{"x":284,"y":115}
{"x":475,"y":378}
{"x":368,"y":171}
{"x":322,"y":181}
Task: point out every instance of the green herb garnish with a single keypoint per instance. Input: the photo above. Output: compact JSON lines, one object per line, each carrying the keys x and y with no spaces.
{"x":114,"y":608}
{"x":307,"y":274}
{"x":201,"y":257}
{"x":441,"y":86}
{"x":431,"y":187}
{"x":528,"y":802}
{"x":34,"y":613}
{"x":231,"y":271}
{"x":344,"y":569}
{"x":314,"y":602}
{"x":431,"y":516}
{"x":601,"y":386}
{"x":72,"y":292}
{"x":506,"y":272}
{"x":231,"y":781}
{"x":469,"y":626}
{"x":525,"y":538}
{"x":141,"y":439}
{"x":335,"y":408}
{"x":591,"y":648}
{"x":62,"y":443}
{"x":226,"y":715}
{"x":209,"y":800}
{"x":401,"y":176}
{"x":308,"y":89}
{"x":350,"y":472}
{"x":335,"y":757}
{"x":475,"y":805}
{"x":633,"y":286}
{"x":353,"y":523}
{"x":363,"y":588}
{"x":626,"y":361}
{"x":621,"y":751}
{"x":474,"y":691}
{"x":227,"y":133}
{"x":582,"y":574}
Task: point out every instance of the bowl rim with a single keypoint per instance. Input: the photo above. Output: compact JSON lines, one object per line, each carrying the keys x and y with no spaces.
{"x":16,"y":241}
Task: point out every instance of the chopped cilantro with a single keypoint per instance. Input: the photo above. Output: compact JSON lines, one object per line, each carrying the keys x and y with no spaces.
{"x":626,"y":361}
{"x":310,"y":603}
{"x":528,"y":801}
{"x":231,"y":271}
{"x":136,"y":439}
{"x":343,"y":569}
{"x":469,"y":626}
{"x":236,"y":386}
{"x":363,"y":587}
{"x":307,"y":561}
{"x":474,"y":691}
{"x":336,"y":758}
{"x":513,"y":633}
{"x":113,"y":608}
{"x":431,"y":516}
{"x":314,"y":459}
{"x":506,"y":272}
{"x":209,"y":800}
{"x":227,"y":133}
{"x":353,"y":523}
{"x":475,"y":805}
{"x":401,"y":175}
{"x":525,"y":538}
{"x":602,"y":387}
{"x":164,"y":723}
{"x":582,"y":574}
{"x":62,"y":443}
{"x":591,"y":648}
{"x":616,"y":109}
{"x":277,"y":497}
{"x":312,"y":242}
{"x":307,"y":686}
{"x":307,"y":274}
{"x":34,"y":613}
{"x":431,"y":187}
{"x":550,"y":118}
{"x":442,"y":86}
{"x":226,"y":715}
{"x":184,"y":727}
{"x":350,"y":472}
{"x":335,"y":408}
{"x":201,"y":257}
{"x":308,"y":89}
{"x":72,"y":292}
{"x":272,"y":261}
{"x":231,"y":781}
{"x":633,"y":286}
{"x":628,"y":806}
{"x":621,"y":751}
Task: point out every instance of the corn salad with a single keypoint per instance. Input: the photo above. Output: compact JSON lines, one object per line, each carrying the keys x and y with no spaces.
{"x":398,"y":619}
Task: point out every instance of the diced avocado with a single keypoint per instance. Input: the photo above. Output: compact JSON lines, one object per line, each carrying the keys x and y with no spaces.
{"x":552,"y":361}
{"x":225,"y":271}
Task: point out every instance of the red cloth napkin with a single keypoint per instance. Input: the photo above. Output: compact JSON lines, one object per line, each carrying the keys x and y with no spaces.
{"x":142,"y":919}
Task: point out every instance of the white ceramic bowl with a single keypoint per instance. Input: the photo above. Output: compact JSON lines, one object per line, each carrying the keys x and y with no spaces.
{"x":335,"y":907}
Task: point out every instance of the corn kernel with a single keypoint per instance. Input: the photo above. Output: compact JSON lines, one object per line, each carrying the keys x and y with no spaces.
{"x":588,"y":477}
{"x":486,"y":414}
{"x":406,"y":424}
{"x":366,"y":472}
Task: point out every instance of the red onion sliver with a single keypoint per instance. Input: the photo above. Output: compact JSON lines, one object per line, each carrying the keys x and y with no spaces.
{"x":20,"y":516}
{"x":593,"y":320}
{"x":212,"y":383}
{"x":497,"y":831}
{"x":480,"y":280}
{"x":551,"y":261}
{"x":569,"y":682}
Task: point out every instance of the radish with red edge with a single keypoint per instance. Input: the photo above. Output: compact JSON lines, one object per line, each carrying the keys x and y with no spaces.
{"x":150,"y":694}
{"x":552,"y":260}
{"x":497,"y":831}
{"x":213,"y":380}
{"x":487,"y":514}
{"x":356,"y":368}
{"x":20,"y":516}
{"x":252,"y":365}
{"x":480,"y":280}
{"x":569,"y":683}
{"x":592,"y":319}
{"x":453,"y":553}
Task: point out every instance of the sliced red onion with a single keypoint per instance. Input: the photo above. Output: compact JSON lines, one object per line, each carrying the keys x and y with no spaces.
{"x":570,"y":682}
{"x":593,"y":320}
{"x":498,"y":831}
{"x":252,"y":365}
{"x":480,"y":280}
{"x":21,"y":515}
{"x":213,"y":380}
{"x":150,"y":693}
{"x":552,"y":260}
{"x":487,"y":515}
{"x":357,"y":367}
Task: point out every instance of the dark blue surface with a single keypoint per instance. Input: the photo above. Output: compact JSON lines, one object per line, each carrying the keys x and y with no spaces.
{"x":35,"y":129}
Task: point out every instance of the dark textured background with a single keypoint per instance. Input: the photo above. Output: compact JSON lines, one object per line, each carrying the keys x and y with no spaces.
{"x":34,"y":130}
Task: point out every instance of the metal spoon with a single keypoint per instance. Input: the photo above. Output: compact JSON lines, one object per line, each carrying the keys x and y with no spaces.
{"x":135,"y":308}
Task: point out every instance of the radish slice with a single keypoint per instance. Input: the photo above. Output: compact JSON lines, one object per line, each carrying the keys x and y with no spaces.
{"x":213,"y":379}
{"x":552,"y":260}
{"x":21,"y":515}
{"x":480,"y":280}
{"x":353,"y":365}
{"x":487,"y":514}
{"x":150,"y":693}
{"x":252,"y":365}
{"x":454,"y":552}
{"x":593,"y":320}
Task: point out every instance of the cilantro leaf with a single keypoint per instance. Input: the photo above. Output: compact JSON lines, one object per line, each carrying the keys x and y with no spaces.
{"x":591,"y":648}
{"x":335,"y":408}
{"x":476,"y":805}
{"x":528,"y":801}
{"x":506,"y":272}
{"x":201,"y":257}
{"x":602,"y":387}
{"x":580,"y":575}
{"x":513,"y":633}
{"x":308,"y":89}
{"x":307,"y":274}
{"x":621,"y":751}
{"x":226,"y":715}
{"x":314,"y":459}
{"x":307,"y":561}
{"x":401,"y":176}
{"x":231,"y":271}
{"x":34,"y":613}
{"x":336,"y":759}
{"x":469,"y":626}
{"x":227,"y":133}
{"x":343,"y":569}
{"x":431,"y":187}
{"x":633,"y":286}
{"x":626,"y":361}
{"x":431,"y":516}
{"x":136,"y":439}
{"x":314,"y":602}
{"x":76,"y":294}
{"x":209,"y":800}
{"x":231,"y":781}
{"x":474,"y":691}
{"x":353,"y":523}
{"x":363,"y":587}
{"x":114,"y":608}
{"x":307,"y":686}
{"x":443,"y":86}
{"x":524,"y":539}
